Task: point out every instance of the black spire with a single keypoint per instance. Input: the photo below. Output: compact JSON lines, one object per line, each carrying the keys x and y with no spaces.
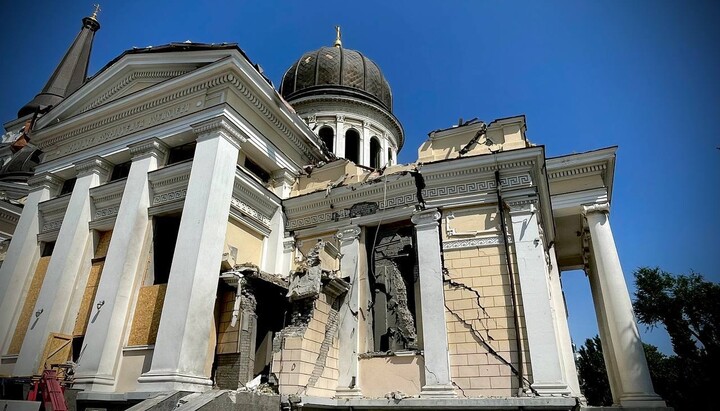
{"x":71,"y":73}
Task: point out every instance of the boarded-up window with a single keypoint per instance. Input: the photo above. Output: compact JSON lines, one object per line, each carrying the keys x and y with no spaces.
{"x":57,"y":351}
{"x":86,"y":306}
{"x":29,"y":305}
{"x":147,"y":315}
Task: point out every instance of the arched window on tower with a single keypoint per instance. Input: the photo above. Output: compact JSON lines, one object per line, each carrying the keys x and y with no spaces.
{"x":352,"y":146}
{"x":389,"y":157}
{"x":327,"y":136}
{"x":375,"y":151}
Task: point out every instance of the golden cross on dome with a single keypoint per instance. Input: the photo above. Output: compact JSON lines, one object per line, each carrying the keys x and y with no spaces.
{"x":96,"y":11}
{"x":338,"y":42}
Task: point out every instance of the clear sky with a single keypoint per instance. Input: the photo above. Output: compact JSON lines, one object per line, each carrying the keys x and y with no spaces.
{"x":642,"y":75}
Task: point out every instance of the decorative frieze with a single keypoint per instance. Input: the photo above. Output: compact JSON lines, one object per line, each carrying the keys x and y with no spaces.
{"x":106,"y":199}
{"x":484,"y":241}
{"x":52,"y":212}
{"x":169,"y":184}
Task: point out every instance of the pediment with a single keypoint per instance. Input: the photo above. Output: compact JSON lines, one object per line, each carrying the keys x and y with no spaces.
{"x":128,"y":74}
{"x":130,"y":79}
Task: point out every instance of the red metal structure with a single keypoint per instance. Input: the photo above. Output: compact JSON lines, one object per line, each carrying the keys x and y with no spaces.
{"x":51,"y":390}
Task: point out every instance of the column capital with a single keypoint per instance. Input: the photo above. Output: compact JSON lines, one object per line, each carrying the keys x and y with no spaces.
{"x":523,"y":205}
{"x":348,"y":234}
{"x":45,"y":181}
{"x":596,"y":208}
{"x":153,"y":147}
{"x":289,"y":244}
{"x":426,"y":218}
{"x":94,"y":165}
{"x":282,"y":176}
{"x":339,"y":118}
{"x":219,"y":126}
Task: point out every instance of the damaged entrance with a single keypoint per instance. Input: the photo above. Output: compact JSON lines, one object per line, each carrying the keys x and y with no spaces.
{"x":393,"y":277}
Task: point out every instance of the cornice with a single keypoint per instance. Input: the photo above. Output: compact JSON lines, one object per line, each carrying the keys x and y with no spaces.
{"x":576,"y":171}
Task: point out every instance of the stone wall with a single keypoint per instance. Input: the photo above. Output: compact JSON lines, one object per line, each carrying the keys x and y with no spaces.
{"x":480,"y":322}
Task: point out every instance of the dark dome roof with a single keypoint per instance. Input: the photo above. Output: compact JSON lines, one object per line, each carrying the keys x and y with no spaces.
{"x":336,"y":70}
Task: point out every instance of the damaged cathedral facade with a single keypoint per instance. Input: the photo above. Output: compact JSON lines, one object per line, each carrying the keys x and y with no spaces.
{"x":185,"y":227}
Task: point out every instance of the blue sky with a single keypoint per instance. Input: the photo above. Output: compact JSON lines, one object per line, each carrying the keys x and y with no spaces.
{"x":642,"y":75}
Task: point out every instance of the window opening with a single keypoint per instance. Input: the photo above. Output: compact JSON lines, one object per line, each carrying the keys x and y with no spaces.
{"x":327,"y":136}
{"x":375,"y":150}
{"x":181,"y":153}
{"x":352,"y":146}
{"x":164,"y":239}
{"x":120,"y":171}
{"x":68,"y":186}
{"x":393,"y":279}
{"x":255,"y":168}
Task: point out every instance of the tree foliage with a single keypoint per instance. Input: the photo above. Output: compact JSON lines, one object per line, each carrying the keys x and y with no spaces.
{"x":593,"y":374}
{"x":686,"y":305}
{"x":689,"y":308}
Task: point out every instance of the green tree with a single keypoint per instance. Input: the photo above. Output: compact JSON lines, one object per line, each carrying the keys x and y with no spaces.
{"x":688,"y":307}
{"x":592,"y":373}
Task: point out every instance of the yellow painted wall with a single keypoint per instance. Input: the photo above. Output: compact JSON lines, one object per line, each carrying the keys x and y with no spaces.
{"x":479,"y":355}
{"x":248,"y":243}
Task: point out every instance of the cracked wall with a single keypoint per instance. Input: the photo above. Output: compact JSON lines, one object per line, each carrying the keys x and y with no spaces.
{"x":480,"y":322}
{"x":298,"y":358}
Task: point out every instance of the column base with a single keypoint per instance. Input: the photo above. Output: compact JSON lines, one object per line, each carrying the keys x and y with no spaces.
{"x":167,"y":381}
{"x":87,"y":382}
{"x":642,"y":401}
{"x":343,"y":393}
{"x":438,"y":391}
{"x":550,"y":389}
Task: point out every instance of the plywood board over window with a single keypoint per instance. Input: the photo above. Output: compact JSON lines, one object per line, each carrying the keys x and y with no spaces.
{"x":29,"y":305}
{"x":86,"y":306}
{"x":147,"y":315}
{"x":57,"y":351}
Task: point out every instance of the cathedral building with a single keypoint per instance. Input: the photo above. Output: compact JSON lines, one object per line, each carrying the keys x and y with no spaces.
{"x":182,"y":227}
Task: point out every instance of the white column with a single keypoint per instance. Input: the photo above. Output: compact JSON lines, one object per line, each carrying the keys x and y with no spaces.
{"x":566,"y":351}
{"x":543,"y":343}
{"x":348,"y":379}
{"x":272,"y":244}
{"x":340,"y":136}
{"x":432,"y":304}
{"x":365,"y":144}
{"x":625,"y":347}
{"x":22,"y":256}
{"x":102,"y":346}
{"x":286,"y":263}
{"x":68,"y":269}
{"x":181,"y":350}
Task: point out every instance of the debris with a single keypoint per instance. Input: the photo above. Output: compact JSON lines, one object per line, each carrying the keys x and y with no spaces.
{"x":396,"y":395}
{"x":305,"y":281}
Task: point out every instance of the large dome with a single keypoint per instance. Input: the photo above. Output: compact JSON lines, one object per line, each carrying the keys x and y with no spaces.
{"x":336,"y":70}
